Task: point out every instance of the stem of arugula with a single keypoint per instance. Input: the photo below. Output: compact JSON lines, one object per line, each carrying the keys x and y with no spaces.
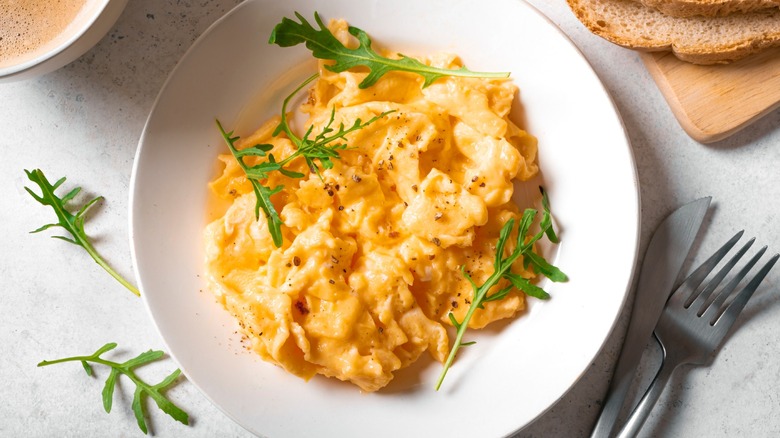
{"x":126,"y":371}
{"x":479,"y":295}
{"x":99,"y":260}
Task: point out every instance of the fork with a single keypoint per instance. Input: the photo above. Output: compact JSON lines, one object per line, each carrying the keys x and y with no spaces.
{"x":695,"y":321}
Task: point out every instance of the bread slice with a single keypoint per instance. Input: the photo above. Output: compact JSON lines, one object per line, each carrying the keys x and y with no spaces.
{"x":709,"y":8}
{"x":700,"y":40}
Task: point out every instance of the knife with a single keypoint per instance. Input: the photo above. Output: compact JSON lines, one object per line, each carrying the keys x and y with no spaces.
{"x":665,"y":255}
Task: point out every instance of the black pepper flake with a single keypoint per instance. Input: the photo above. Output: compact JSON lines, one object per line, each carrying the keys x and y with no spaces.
{"x":454,"y":304}
{"x":341,"y":207}
{"x":288,"y":265}
{"x":296,"y":261}
{"x":356,"y":178}
{"x":400,"y":144}
{"x":390,"y":166}
{"x":414,"y":187}
{"x":390,"y":158}
{"x":332,"y":281}
{"x":482,"y":184}
{"x":334,"y":260}
{"x":431,"y":257}
{"x":381,"y":330}
{"x":330,"y":192}
{"x":474,"y":179}
{"x":301,"y":307}
{"x":436,"y":241}
{"x":467,"y":301}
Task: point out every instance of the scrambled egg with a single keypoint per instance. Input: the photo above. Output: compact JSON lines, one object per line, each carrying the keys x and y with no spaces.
{"x":371,"y":261}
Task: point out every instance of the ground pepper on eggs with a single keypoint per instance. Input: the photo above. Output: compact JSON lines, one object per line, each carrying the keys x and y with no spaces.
{"x":383,"y":233}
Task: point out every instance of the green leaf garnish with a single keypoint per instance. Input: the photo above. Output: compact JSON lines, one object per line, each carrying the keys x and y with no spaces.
{"x":318,"y":153}
{"x":502,"y":270}
{"x":324,"y":45}
{"x":142,"y":390}
{"x":72,"y":223}
{"x":254,"y":174}
{"x":547,"y":218}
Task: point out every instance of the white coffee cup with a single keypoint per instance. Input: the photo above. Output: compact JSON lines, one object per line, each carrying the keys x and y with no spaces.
{"x":91,"y":24}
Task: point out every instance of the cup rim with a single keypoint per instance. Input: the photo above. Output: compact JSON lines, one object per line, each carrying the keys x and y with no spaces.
{"x":15,"y":69}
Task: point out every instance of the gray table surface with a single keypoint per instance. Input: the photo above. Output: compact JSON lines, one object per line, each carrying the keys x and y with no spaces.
{"x":84,"y":121}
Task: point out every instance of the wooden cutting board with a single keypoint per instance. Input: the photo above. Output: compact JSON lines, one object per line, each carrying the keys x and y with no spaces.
{"x":713,"y":102}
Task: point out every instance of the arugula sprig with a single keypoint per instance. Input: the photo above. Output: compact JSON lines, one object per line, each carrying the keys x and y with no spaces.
{"x":324,"y":45}
{"x":142,"y":388}
{"x":502,"y":266}
{"x":255,"y":174}
{"x":72,"y":223}
{"x":320,"y":149}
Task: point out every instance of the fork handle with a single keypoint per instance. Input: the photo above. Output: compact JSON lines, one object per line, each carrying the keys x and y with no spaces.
{"x":639,"y":415}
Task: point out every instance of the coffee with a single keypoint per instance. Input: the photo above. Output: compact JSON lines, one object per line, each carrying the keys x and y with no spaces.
{"x":27,"y":26}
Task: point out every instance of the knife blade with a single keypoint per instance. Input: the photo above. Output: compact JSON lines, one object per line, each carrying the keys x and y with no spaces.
{"x":665,"y":255}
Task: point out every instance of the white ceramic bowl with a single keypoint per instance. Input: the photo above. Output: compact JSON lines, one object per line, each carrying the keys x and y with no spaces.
{"x":513,"y":374}
{"x":91,"y":24}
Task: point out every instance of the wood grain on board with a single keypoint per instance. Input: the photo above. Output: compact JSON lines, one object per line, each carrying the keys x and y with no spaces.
{"x":715,"y":101}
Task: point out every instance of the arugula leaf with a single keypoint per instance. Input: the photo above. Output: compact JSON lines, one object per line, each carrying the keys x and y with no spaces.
{"x":502,"y":270}
{"x":254,"y":174}
{"x":547,"y":218}
{"x":72,"y":223}
{"x":142,"y":390}
{"x":319,"y":149}
{"x":324,"y":45}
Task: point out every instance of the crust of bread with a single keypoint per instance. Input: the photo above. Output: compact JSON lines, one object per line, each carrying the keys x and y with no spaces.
{"x":700,"y":40}
{"x":709,"y":8}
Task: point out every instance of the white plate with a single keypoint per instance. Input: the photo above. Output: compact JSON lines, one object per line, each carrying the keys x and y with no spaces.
{"x":513,"y":374}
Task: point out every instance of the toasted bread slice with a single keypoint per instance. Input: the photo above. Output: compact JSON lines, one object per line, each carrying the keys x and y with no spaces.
{"x":700,"y":40}
{"x":709,"y":8}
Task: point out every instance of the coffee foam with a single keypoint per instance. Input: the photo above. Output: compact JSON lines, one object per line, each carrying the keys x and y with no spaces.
{"x":29,"y":27}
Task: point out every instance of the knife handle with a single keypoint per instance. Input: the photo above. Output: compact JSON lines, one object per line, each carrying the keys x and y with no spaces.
{"x":638,"y":417}
{"x":613,"y":405}
{"x":618,"y":388}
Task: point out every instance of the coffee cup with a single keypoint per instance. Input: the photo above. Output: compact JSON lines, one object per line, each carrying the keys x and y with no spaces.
{"x":40,"y":36}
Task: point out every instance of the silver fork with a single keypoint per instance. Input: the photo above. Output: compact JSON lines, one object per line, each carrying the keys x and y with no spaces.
{"x":695,"y":321}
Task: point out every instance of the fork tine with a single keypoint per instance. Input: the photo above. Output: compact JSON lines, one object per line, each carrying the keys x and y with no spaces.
{"x":715,"y":305}
{"x":688,"y":287}
{"x":727,"y":318}
{"x":701,"y":301}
